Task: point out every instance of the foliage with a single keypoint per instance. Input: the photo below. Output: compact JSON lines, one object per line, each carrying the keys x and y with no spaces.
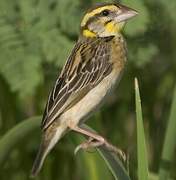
{"x":35,"y":40}
{"x":27,"y":127}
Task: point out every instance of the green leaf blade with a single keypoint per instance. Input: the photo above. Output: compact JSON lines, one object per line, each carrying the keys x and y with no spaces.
{"x":169,"y":143}
{"x":114,"y":164}
{"x":16,"y":135}
{"x":141,"y":145}
{"x":112,"y":161}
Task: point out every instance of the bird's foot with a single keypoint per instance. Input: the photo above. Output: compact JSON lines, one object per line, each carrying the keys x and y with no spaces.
{"x":93,"y":143}
{"x":116,"y":150}
{"x":90,"y":143}
{"x":96,"y":140}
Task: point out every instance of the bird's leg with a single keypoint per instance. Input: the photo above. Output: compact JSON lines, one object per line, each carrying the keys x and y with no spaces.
{"x":96,"y":140}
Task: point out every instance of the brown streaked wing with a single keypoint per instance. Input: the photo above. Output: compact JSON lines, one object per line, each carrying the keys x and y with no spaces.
{"x":87,"y":66}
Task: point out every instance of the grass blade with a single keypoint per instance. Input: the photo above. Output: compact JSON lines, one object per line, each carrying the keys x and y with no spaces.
{"x":114,"y":164}
{"x":16,"y":135}
{"x":169,"y":143}
{"x":141,"y":145}
{"x":93,"y":163}
{"x":112,"y":161}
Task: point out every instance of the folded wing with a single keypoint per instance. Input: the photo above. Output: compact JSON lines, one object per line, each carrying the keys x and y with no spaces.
{"x":87,"y":66}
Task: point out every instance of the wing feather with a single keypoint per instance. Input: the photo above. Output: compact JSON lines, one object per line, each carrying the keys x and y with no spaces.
{"x":87,"y":65}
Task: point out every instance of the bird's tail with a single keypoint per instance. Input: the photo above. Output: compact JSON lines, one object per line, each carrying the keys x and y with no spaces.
{"x":48,"y":142}
{"x":42,"y":153}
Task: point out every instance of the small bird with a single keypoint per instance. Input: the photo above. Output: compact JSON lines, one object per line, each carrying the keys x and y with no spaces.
{"x":91,"y":71}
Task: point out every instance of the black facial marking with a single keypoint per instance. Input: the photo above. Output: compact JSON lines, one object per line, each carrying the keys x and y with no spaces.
{"x":108,"y":21}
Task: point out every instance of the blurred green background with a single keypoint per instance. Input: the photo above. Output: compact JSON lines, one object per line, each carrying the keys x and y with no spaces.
{"x":36,"y":37}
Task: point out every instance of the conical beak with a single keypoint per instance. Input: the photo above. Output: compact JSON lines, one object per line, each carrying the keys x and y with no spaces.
{"x":125,"y":14}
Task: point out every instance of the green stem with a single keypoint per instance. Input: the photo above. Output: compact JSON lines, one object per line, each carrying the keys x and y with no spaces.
{"x":16,"y":135}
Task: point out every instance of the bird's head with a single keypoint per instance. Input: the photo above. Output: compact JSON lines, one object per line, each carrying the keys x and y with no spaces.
{"x":106,"y":20}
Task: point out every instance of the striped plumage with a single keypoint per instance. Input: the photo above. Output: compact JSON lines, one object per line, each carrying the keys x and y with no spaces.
{"x":87,"y":65}
{"x":91,"y":71}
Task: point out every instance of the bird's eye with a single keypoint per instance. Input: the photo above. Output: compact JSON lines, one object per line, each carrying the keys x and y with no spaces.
{"x":105,"y":12}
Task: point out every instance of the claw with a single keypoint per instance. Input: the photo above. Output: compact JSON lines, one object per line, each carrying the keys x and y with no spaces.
{"x":77,"y":149}
{"x":114,"y":149}
{"x":91,"y":143}
{"x":84,"y":145}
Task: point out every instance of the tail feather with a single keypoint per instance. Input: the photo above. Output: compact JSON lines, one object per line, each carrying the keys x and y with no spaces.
{"x":48,"y":142}
{"x":41,"y":155}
